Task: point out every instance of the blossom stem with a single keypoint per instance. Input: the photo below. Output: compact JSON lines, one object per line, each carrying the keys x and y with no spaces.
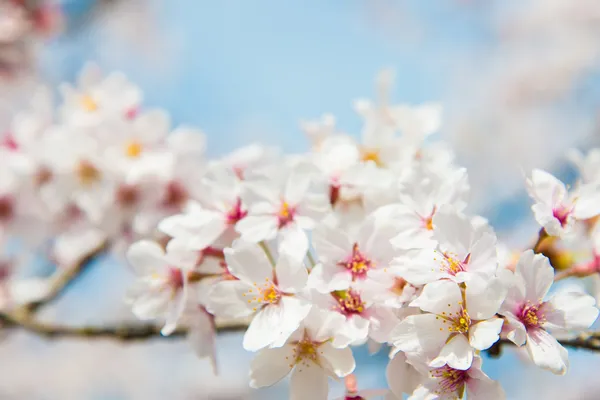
{"x":311,"y":259}
{"x":263,"y":245}
{"x":541,"y":237}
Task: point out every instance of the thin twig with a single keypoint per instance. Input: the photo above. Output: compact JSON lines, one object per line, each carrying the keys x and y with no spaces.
{"x":587,"y":341}
{"x":126,"y":332}
{"x":62,"y":280}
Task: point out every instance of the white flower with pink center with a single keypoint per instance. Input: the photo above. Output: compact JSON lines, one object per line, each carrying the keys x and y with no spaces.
{"x":213,"y":216}
{"x":464,"y":250}
{"x":308,"y":355}
{"x":455,"y":323}
{"x":269,"y":293}
{"x":346,"y":258}
{"x":555,"y":208}
{"x":285,"y":207}
{"x":528,"y":315}
{"x":357,"y":316}
{"x":161,"y":290}
{"x":449,"y":383}
{"x":422,"y":193}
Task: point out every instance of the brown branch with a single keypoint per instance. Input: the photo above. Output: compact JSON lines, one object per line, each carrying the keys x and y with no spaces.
{"x":124,"y":332}
{"x":587,"y":341}
{"x":62,"y":280}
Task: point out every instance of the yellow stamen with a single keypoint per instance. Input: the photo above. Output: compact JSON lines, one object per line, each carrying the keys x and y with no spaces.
{"x":372,"y":155}
{"x":87,"y":172}
{"x":88,"y":103}
{"x":133,"y":149}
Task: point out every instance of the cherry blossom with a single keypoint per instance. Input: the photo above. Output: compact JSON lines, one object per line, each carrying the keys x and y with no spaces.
{"x":310,"y":357}
{"x":529,"y":316}
{"x":268,"y":292}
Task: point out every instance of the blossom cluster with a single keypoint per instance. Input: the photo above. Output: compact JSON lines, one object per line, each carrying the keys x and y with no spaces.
{"x":363,"y":241}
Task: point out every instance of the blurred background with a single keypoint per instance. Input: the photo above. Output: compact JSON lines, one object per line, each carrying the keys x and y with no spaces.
{"x":519,"y":81}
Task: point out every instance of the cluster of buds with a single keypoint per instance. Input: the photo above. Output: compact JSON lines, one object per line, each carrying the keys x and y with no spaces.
{"x":357,"y":242}
{"x":22,"y":23}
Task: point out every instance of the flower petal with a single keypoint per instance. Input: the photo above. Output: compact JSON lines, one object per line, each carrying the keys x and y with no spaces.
{"x":546,"y":352}
{"x":271,"y":365}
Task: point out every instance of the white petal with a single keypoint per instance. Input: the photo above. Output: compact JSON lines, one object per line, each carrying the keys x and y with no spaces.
{"x":516,"y":331}
{"x":339,"y":361}
{"x":457,"y":353}
{"x":226,"y":300}
{"x":402,"y":378}
{"x":537,"y":273}
{"x":308,"y":382}
{"x":264,"y":329}
{"x":484,"y":334}
{"x":571,"y":310}
{"x":292,"y":275}
{"x":545,"y":188}
{"x":420,"y":333}
{"x":484,"y":297}
{"x":293,"y":241}
{"x":256,"y":228}
{"x":332,"y":245}
{"x":271,"y":365}
{"x":293,"y":312}
{"x":546,"y":352}
{"x":175,"y":310}
{"x":484,"y":389}
{"x":298,"y":183}
{"x":249,"y":263}
{"x":440,"y":297}
{"x":146,"y":257}
{"x":453,"y":231}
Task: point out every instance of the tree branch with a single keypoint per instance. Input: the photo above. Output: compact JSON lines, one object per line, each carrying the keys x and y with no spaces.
{"x":62,"y":280}
{"x":126,"y":333}
{"x":587,"y":341}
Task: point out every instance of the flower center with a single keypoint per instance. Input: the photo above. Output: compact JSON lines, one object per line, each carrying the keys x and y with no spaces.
{"x":266,"y":294}
{"x":372,"y":155}
{"x":452,"y":264}
{"x":285,"y":214}
{"x":428,"y":221}
{"x":236,"y":213}
{"x":349,"y":302}
{"x":127,"y":195}
{"x":562,"y":214}
{"x":451,"y":380}
{"x":9,"y":142}
{"x":133,"y":149}
{"x":459,"y":323}
{"x":531,"y":316}
{"x":357,"y":263}
{"x":399,"y":285}
{"x":175,"y":195}
{"x":87,"y":172}
{"x":6,"y":208}
{"x":175,"y":278}
{"x":88,"y":103}
{"x":306,"y":350}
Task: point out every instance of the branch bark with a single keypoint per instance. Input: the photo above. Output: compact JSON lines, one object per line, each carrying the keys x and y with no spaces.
{"x":125,"y":332}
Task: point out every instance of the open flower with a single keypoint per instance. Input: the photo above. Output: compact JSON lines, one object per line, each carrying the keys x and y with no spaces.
{"x":555,"y":208}
{"x":345,"y":258}
{"x":309,"y":355}
{"x":284,"y":206}
{"x":218,"y":209}
{"x":267,"y":292}
{"x":455,"y":323}
{"x":161,"y":291}
{"x":464,"y":250}
{"x":528,"y":315}
{"x":446,"y":382}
